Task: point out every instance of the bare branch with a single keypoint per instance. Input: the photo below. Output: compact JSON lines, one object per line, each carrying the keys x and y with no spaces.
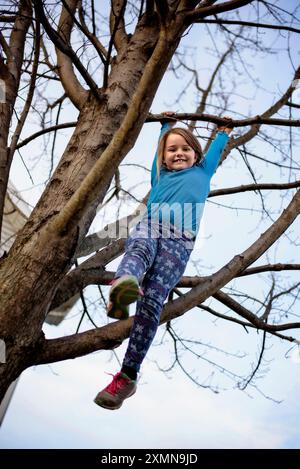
{"x":268,"y":268}
{"x":78,"y":278}
{"x":112,"y":335}
{"x":254,"y":187}
{"x":119,"y":36}
{"x":66,"y":57}
{"x":249,"y":23}
{"x":296,"y":106}
{"x":10,"y":74}
{"x":66,"y":125}
{"x":255,"y":126}
{"x":221,"y":121}
{"x":180,"y":117}
{"x":85,"y":30}
{"x":238,"y":321}
{"x":91,"y":273}
{"x":27,"y":105}
{"x":16,"y":42}
{"x":5,"y":46}
{"x":102,"y":52}
{"x":7,"y":19}
{"x":252,"y":318}
{"x":76,"y":345}
{"x":200,"y":12}
{"x":237,"y":265}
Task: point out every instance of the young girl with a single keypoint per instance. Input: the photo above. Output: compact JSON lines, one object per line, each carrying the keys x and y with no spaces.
{"x":158,"y":248}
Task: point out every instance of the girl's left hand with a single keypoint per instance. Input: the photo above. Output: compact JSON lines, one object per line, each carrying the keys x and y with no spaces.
{"x":168,"y":114}
{"x":225,"y":128}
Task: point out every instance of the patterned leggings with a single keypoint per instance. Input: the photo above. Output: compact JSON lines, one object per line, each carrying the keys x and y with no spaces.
{"x":163,"y":261}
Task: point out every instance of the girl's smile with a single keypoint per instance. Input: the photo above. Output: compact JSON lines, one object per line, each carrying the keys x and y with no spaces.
{"x":178,"y":154}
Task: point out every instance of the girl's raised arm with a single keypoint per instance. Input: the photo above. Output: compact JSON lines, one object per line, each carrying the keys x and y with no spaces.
{"x":213,"y":155}
{"x":166,"y":125}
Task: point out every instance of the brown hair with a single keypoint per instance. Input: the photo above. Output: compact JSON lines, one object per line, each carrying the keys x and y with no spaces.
{"x":188,"y":137}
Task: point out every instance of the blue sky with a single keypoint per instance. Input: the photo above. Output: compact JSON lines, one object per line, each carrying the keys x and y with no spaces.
{"x":53,"y":405}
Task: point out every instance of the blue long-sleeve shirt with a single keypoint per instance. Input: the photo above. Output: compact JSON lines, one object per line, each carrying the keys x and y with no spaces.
{"x":178,"y":197}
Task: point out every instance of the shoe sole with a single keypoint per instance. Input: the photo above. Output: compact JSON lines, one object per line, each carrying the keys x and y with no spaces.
{"x":117,"y":406}
{"x":100,"y":404}
{"x":121,"y":295}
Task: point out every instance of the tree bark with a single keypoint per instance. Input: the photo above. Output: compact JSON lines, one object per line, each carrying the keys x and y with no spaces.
{"x":42,"y":252}
{"x":10,"y":74}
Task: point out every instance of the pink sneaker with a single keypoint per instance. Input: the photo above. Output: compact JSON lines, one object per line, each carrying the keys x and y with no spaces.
{"x":116,"y":392}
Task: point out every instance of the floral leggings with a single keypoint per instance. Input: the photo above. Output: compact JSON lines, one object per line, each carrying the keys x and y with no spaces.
{"x":159,"y":262}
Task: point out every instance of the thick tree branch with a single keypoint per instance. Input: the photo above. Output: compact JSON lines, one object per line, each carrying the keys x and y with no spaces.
{"x":88,"y":191}
{"x":162,"y":8}
{"x":180,"y":116}
{"x":296,"y":106}
{"x":257,"y":120}
{"x":119,"y":36}
{"x":117,"y":229}
{"x":86,"y":273}
{"x":77,"y":345}
{"x":112,"y":335}
{"x":93,"y":273}
{"x":235,"y":267}
{"x":269,"y":267}
{"x":5,"y":46}
{"x":7,"y":18}
{"x":190,"y":282}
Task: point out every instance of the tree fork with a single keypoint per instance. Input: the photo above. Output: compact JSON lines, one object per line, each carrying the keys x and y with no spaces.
{"x":43,"y":254}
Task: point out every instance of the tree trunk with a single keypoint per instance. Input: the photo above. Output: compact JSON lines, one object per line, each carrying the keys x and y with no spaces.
{"x":42,"y":254}
{"x":10,"y":74}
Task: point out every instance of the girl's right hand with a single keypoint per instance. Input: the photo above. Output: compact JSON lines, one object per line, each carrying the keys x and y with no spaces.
{"x":168,"y":114}
{"x":226,"y":128}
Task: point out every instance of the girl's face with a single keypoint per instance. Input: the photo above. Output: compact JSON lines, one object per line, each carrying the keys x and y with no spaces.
{"x":178,"y":154}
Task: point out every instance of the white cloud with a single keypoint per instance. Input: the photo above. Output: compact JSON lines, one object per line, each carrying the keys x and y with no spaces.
{"x":52,"y":411}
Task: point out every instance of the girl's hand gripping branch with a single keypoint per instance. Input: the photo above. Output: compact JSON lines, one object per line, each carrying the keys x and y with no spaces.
{"x":226,"y":128}
{"x":169,"y":119}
